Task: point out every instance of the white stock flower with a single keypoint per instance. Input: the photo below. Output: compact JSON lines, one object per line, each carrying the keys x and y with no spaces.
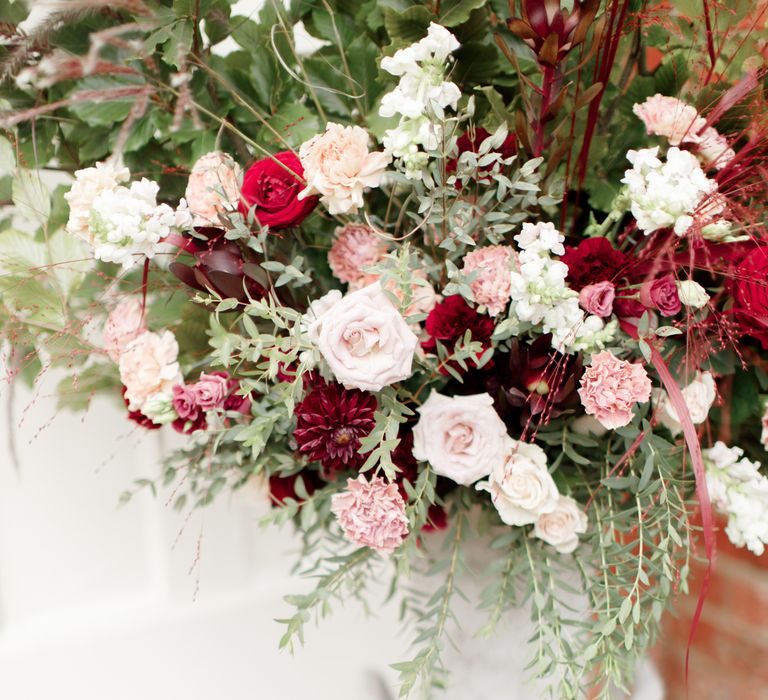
{"x":521,"y":487}
{"x":88,"y":185}
{"x":462,"y":437}
{"x":562,"y":526}
{"x":699,"y":396}
{"x":669,"y":194}
{"x":365,"y":341}
{"x":692,"y":294}
{"x":740,"y":491}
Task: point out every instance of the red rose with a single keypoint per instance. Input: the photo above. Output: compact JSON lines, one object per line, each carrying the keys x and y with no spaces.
{"x":593,"y":260}
{"x":749,"y":287}
{"x":661,"y":294}
{"x":139,"y":418}
{"x":275,"y":191}
{"x":450,"y":320}
{"x":283,"y":487}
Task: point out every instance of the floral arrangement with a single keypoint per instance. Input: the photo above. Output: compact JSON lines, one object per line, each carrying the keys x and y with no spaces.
{"x":429,"y":272}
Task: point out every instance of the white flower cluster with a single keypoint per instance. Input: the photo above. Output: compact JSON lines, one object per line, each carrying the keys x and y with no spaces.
{"x":422,"y":94}
{"x":699,"y":396}
{"x":122,"y":224}
{"x":671,"y":193}
{"x":738,"y":489}
{"x":540,"y":295}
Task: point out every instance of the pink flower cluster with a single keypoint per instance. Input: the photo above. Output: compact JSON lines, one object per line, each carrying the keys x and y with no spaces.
{"x":372,"y":514}
{"x":610,"y":387}
{"x":492,"y":287}
{"x":214,"y":391}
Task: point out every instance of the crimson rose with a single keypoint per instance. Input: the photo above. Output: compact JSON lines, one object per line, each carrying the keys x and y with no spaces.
{"x":275,"y":191}
{"x":749,"y":287}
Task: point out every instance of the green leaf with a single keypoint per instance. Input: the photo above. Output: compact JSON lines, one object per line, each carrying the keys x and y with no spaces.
{"x":409,"y":26}
{"x":456,"y":12}
{"x":7,"y":157}
{"x":30,"y":197}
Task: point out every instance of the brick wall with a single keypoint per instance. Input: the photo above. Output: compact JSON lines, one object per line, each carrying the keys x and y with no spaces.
{"x":729,"y":657}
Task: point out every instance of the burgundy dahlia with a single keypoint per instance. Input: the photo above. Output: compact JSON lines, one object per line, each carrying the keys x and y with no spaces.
{"x":329,"y":424}
{"x":450,"y":320}
{"x":593,"y":260}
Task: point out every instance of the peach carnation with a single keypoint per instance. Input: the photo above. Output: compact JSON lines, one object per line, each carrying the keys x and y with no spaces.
{"x":124,"y":323}
{"x":338,"y":166}
{"x":714,"y":149}
{"x":213,"y":188}
{"x":149,"y":367}
{"x":372,"y":514}
{"x":356,"y":246}
{"x":667,"y":116}
{"x":610,"y":387}
{"x":492,"y":287}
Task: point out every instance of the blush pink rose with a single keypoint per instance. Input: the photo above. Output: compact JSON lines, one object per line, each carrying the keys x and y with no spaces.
{"x":372,"y":514}
{"x":597,"y":299}
{"x":365,"y":341}
{"x":667,"y":116}
{"x":210,"y":391}
{"x":356,"y":246}
{"x":661,"y":294}
{"x":124,"y":323}
{"x":213,"y":188}
{"x":610,"y":387}
{"x":492,"y":287}
{"x":338,"y":166}
{"x":562,"y":526}
{"x":148,"y":366}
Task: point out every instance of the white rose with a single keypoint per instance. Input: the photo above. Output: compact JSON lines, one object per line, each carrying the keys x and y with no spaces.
{"x":521,"y":487}
{"x":699,"y":396}
{"x":561,"y":527}
{"x":462,"y":437}
{"x":692,"y":294}
{"x":364,"y":339}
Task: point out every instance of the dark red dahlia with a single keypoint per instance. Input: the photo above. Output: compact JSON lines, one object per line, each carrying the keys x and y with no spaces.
{"x":450,"y":320}
{"x":138,"y":417}
{"x":593,"y":260}
{"x":329,"y":424}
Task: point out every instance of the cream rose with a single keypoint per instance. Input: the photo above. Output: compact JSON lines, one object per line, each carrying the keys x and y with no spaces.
{"x":521,"y":487}
{"x":338,"y":166}
{"x":148,"y":366}
{"x":699,"y":396}
{"x":364,"y":339}
{"x":561,"y":527}
{"x":462,"y":437}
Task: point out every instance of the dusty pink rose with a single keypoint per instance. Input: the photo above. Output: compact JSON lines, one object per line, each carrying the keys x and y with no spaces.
{"x":338,"y":166}
{"x":493,"y":285}
{"x":148,"y":366}
{"x":714,"y":149}
{"x":210,"y":391}
{"x":610,"y":387}
{"x":184,"y":402}
{"x":213,"y":188}
{"x":597,"y":299}
{"x":124,"y":323}
{"x":372,"y":513}
{"x":667,"y":116}
{"x":356,"y":246}
{"x":661,"y":294}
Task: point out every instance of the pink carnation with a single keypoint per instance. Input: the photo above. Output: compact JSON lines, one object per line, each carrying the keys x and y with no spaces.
{"x":714,"y":149}
{"x":356,"y":246}
{"x":213,"y":188}
{"x":670,"y":117}
{"x":372,"y":514}
{"x":124,"y":323}
{"x":610,"y":387}
{"x":493,"y":285}
{"x":149,"y":366}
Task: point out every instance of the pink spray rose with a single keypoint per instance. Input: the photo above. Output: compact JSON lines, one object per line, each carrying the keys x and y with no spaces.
{"x":372,"y":513}
{"x":356,"y":246}
{"x":610,"y":387}
{"x":184,"y":402}
{"x":148,"y":366}
{"x":670,"y":117}
{"x":338,"y":166}
{"x":124,"y":323}
{"x":212,"y":188}
{"x":597,"y":299}
{"x":210,"y":391}
{"x":661,"y":294}
{"x":493,"y":285}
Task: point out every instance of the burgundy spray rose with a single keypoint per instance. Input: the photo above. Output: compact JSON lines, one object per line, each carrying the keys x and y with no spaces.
{"x":661,"y":294}
{"x":274,"y":189}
